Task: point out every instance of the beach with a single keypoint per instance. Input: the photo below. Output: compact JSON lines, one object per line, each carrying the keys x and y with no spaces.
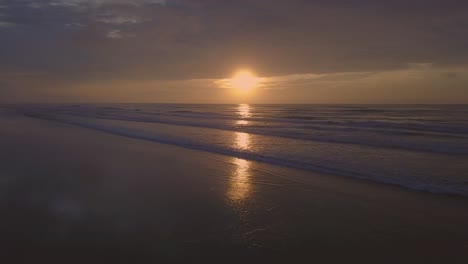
{"x":247,"y":131}
{"x":76,"y":193}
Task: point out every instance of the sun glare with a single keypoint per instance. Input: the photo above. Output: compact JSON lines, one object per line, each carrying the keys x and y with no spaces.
{"x":244,"y":80}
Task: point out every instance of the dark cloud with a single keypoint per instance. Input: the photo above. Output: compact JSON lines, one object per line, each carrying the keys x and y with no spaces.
{"x":83,"y":40}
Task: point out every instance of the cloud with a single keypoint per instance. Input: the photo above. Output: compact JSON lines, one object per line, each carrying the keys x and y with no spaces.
{"x":75,"y":25}
{"x":425,"y":65}
{"x":115,"y":19}
{"x":295,"y":44}
{"x":293,"y":80}
{"x":4,"y":24}
{"x":98,"y":3}
{"x":118,"y":34}
{"x":430,"y":85}
{"x":118,"y":14}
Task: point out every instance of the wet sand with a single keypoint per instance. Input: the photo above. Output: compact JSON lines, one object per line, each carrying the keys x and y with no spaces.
{"x":69,"y":193}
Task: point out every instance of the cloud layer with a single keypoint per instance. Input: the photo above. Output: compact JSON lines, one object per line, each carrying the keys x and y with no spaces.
{"x":74,"y":42}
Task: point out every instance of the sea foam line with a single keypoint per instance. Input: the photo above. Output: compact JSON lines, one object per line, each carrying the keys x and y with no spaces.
{"x":136,"y":134}
{"x":439,"y":148}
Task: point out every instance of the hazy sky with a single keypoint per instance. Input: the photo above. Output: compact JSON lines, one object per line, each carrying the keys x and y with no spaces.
{"x":305,"y":51}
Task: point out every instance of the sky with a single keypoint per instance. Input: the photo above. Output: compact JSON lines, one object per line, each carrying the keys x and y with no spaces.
{"x":180,"y":51}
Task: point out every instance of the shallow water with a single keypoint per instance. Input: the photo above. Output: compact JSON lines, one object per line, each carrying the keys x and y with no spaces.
{"x":422,"y":147}
{"x":84,"y":189}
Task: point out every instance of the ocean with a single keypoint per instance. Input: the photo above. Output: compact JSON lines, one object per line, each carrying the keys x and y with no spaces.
{"x":419,"y":147}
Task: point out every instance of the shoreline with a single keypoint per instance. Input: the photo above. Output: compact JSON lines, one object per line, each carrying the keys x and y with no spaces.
{"x":296,"y":165}
{"x":96,"y":184}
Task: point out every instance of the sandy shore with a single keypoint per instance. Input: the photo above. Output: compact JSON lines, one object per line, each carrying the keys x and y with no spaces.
{"x":78,"y":194}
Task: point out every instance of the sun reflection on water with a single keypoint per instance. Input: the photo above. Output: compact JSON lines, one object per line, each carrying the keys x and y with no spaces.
{"x":240,"y":183}
{"x":242,"y":141}
{"x":242,"y":122}
{"x":243,"y":111}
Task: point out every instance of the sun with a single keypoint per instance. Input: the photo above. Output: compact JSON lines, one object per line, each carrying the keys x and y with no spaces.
{"x":244,"y":80}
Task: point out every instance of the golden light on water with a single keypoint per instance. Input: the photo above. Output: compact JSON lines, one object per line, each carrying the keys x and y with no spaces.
{"x":240,"y":186}
{"x":243,"y":110}
{"x":242,"y":141}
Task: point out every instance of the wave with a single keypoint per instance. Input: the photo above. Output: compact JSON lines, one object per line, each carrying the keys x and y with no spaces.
{"x":370,"y":133}
{"x":289,"y":160}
